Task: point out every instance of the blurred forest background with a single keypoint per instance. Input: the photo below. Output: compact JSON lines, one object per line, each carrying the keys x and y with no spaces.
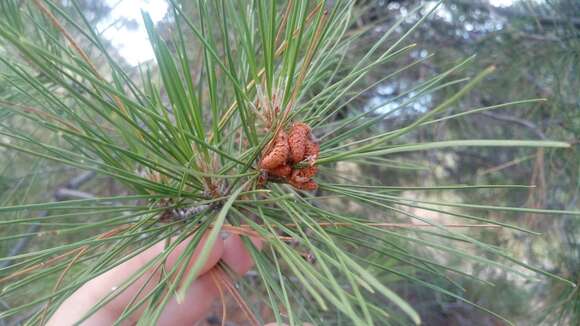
{"x":535,"y":47}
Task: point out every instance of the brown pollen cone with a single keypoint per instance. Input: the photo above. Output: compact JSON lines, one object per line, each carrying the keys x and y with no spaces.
{"x":297,"y":139}
{"x":278,"y":155}
{"x":311,"y":151}
{"x":282,"y":171}
{"x":308,"y":185}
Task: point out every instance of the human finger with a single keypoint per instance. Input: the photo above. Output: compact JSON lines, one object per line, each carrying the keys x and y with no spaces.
{"x":78,"y":304}
{"x":237,"y":256}
{"x":201,"y":294}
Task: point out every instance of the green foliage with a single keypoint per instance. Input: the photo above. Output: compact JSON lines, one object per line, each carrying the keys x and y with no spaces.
{"x":187,"y":136}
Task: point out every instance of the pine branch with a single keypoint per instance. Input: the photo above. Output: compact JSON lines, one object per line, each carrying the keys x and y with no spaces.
{"x":521,"y":122}
{"x":60,"y":194}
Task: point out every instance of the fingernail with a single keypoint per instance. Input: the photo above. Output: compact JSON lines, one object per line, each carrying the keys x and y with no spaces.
{"x":224,"y":235}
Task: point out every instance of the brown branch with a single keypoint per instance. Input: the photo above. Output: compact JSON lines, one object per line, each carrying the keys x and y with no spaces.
{"x":504,"y":165}
{"x":246,"y":229}
{"x":218,"y":285}
{"x":221,"y":275}
{"x":408,"y":225}
{"x":521,"y":122}
{"x":72,"y":184}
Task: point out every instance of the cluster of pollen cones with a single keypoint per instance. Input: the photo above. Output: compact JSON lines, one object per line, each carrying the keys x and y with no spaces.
{"x":288,"y":150}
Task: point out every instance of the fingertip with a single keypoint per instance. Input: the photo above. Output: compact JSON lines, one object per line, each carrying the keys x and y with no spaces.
{"x":197,"y":302}
{"x":237,"y":256}
{"x":214,"y":256}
